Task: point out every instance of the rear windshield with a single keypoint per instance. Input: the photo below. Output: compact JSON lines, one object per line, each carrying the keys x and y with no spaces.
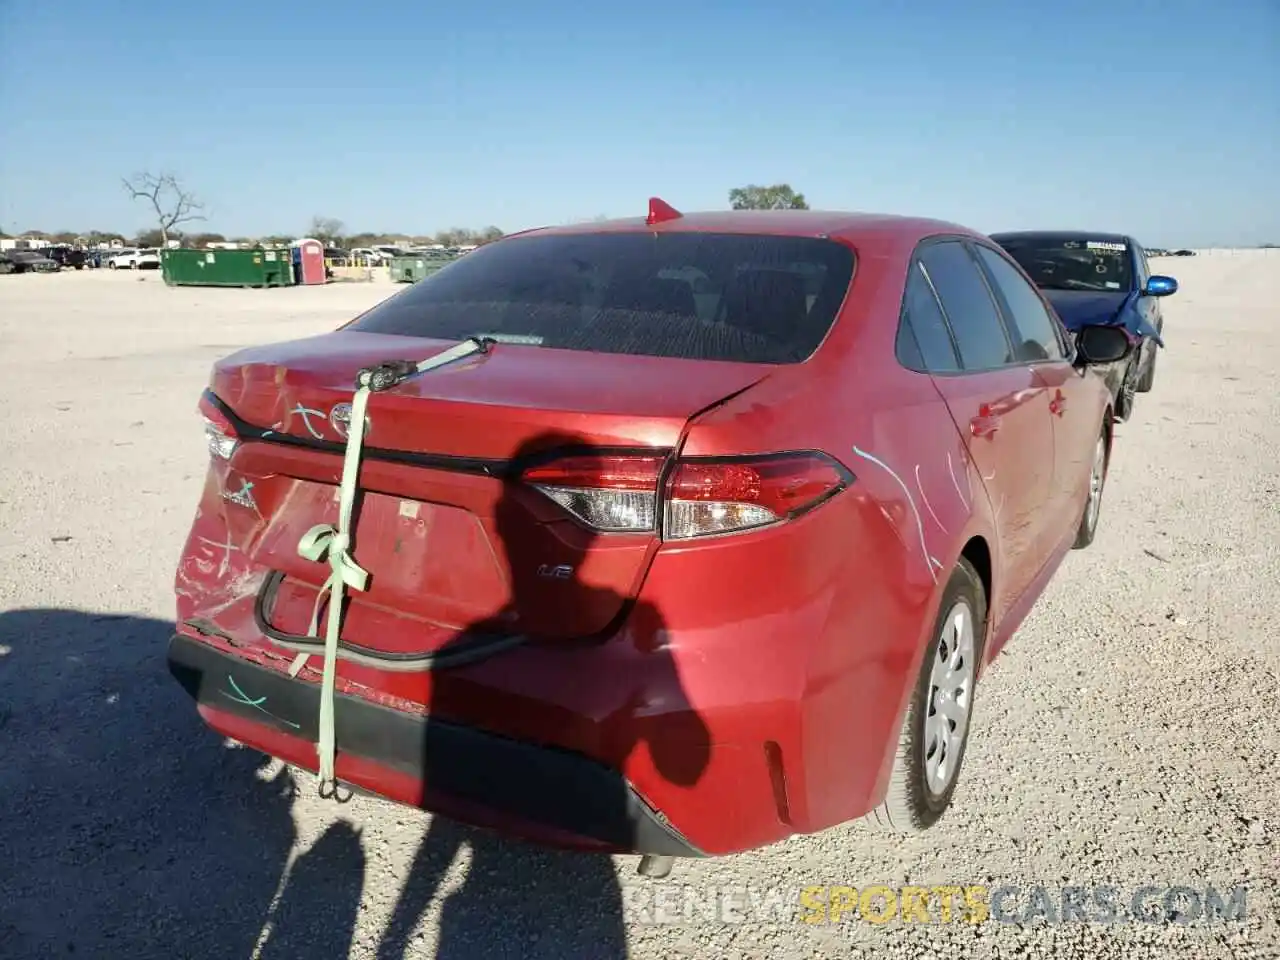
{"x":746,"y":298}
{"x":1072,"y":263}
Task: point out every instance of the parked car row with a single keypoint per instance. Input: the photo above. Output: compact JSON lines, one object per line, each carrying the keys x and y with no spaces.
{"x":703,"y":533}
{"x":57,"y":257}
{"x":27,"y":261}
{"x":383,"y":255}
{"x":42,"y":259}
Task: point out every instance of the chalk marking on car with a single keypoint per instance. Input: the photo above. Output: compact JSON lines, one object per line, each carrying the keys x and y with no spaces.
{"x":956,"y":483}
{"x":241,"y":697}
{"x":307,"y":413}
{"x":924,"y":547}
{"x":925,"y":500}
{"x":226,"y":547}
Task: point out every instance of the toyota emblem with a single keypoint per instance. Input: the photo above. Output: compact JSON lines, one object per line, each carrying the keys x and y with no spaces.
{"x":340,"y":420}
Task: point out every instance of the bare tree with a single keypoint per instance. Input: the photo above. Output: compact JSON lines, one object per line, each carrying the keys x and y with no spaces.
{"x":172,"y":204}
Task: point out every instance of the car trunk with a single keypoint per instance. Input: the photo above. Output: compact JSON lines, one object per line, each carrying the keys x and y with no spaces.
{"x":454,"y":542}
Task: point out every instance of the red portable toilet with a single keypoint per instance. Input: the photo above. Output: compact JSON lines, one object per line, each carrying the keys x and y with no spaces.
{"x":308,"y":261}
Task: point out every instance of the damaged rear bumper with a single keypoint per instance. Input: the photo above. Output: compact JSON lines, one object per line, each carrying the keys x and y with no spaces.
{"x":545,"y":794}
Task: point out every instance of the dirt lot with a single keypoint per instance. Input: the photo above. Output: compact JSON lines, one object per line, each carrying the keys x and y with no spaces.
{"x":1128,"y":736}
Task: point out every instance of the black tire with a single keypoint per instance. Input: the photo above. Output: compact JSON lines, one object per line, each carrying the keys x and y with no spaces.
{"x":111,"y":265}
{"x":912,"y":804}
{"x":1148,"y":378}
{"x":1127,"y":397}
{"x":1088,"y":527}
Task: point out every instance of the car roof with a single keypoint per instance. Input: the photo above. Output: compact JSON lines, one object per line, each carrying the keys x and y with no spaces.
{"x":795,"y":223}
{"x":1100,"y":235}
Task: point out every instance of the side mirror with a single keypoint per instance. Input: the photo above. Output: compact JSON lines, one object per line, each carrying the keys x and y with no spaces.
{"x":1102,"y":344}
{"x":1158,"y":286}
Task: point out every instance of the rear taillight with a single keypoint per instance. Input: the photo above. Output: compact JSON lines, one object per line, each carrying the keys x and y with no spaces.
{"x":702,"y":496}
{"x":613,"y":493}
{"x":218,"y":431}
{"x":710,"y":496}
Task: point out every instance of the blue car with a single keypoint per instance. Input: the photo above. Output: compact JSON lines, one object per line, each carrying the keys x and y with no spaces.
{"x":1100,"y":278}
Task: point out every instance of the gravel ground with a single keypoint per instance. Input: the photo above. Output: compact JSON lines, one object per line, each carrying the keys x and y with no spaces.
{"x":1121,"y":739}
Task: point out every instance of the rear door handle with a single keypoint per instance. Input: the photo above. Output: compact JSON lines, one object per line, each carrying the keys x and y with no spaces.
{"x":1058,"y":404}
{"x":984,"y":425}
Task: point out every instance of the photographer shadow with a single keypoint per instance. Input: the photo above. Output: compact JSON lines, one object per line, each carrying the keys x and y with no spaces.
{"x":128,"y":829}
{"x":524,"y":901}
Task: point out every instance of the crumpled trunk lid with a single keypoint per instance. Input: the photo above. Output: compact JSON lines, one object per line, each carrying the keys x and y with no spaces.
{"x":455,"y":544}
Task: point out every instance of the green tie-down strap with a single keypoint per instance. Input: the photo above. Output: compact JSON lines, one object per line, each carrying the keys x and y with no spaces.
{"x":324,"y":542}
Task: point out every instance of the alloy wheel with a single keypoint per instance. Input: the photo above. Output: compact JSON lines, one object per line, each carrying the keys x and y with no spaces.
{"x":951,"y":681}
{"x":1096,"y":477}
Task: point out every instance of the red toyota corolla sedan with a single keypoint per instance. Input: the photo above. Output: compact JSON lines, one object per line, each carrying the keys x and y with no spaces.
{"x":675,"y":535}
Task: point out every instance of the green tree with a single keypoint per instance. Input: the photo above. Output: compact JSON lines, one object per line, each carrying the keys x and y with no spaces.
{"x":154,"y":238}
{"x":780,"y":196}
{"x":454,"y":237}
{"x":327,"y":230}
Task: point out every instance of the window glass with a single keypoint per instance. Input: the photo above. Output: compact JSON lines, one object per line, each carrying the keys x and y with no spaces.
{"x":1033,"y":333}
{"x":1144,"y":268}
{"x":741,"y":297}
{"x":924,"y":341}
{"x":1068,"y":262}
{"x":967,"y":302}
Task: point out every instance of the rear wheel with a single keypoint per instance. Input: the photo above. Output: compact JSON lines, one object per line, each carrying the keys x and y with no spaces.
{"x":1148,"y":378}
{"x":935,"y":731}
{"x":1128,"y":394}
{"x":1093,"y":503}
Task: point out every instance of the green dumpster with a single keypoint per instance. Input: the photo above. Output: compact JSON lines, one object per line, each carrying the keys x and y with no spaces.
{"x":258,"y":267}
{"x":408,"y":269}
{"x":412,"y":268}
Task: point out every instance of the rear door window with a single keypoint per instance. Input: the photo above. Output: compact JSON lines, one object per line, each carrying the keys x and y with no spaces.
{"x":737,"y":297}
{"x":966,"y":301}
{"x":924,"y":342}
{"x":1031,"y":327}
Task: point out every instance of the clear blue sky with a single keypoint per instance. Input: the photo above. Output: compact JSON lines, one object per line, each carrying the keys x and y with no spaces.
{"x":1158,"y":118}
